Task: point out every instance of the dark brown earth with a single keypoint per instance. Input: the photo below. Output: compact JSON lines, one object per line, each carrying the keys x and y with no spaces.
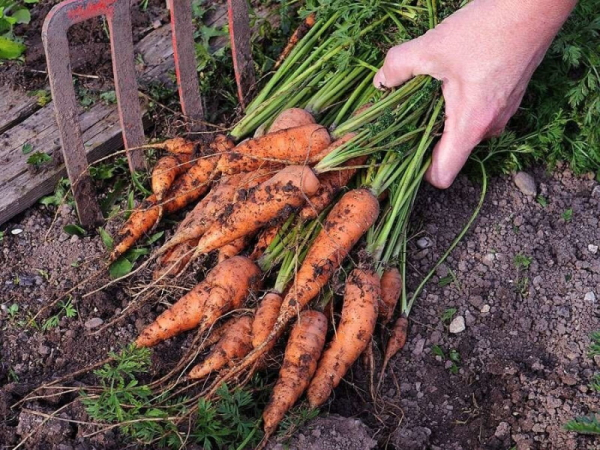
{"x":523,"y":368}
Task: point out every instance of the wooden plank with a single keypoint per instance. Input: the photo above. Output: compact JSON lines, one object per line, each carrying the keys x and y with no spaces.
{"x":15,"y":107}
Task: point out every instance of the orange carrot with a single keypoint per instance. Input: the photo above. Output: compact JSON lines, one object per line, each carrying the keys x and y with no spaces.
{"x":216,"y":202}
{"x":233,"y":248}
{"x":395,"y":343}
{"x":359,"y":316}
{"x":331,"y":183}
{"x":164,"y":173}
{"x":234,"y":344}
{"x":298,"y":34}
{"x":347,"y":221}
{"x":223,"y":290}
{"x":302,"y":352}
{"x":391,"y":289}
{"x":175,"y":259}
{"x":316,"y":157}
{"x":179,"y":146}
{"x":140,"y":221}
{"x":265,"y":318}
{"x":292,"y":146}
{"x":291,"y":118}
{"x":221,"y":144}
{"x":265,"y":237}
{"x":275,"y":198}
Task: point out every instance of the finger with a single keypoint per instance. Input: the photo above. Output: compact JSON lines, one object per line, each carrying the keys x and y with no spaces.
{"x":401,"y":64}
{"x":460,"y":136}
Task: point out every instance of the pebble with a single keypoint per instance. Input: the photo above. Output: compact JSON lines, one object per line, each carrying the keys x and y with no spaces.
{"x":488,"y":259}
{"x":16,"y":231}
{"x":485,"y":309}
{"x":74,"y":238}
{"x":502,"y":430}
{"x":43,"y":349}
{"x":63,"y":237}
{"x":457,"y":325}
{"x":469,"y":318}
{"x":94,"y":323}
{"x":424,"y":242}
{"x":476,"y":301}
{"x":420,"y":345}
{"x":525,"y":183}
{"x":590,"y":297}
{"x":593,"y":248}
{"x":596,"y":192}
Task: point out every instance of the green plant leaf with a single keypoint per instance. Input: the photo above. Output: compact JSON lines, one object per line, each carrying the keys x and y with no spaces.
{"x":27,"y":148}
{"x":22,"y":15}
{"x":10,"y":49}
{"x":155,"y":237}
{"x":73,"y":229}
{"x":120,"y":268}
{"x":107,"y":239}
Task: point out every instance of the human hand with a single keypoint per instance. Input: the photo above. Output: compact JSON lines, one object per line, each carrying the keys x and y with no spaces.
{"x":485,"y":55}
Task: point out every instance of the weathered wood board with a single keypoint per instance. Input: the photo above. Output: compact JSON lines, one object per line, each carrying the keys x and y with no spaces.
{"x":22,"y":122}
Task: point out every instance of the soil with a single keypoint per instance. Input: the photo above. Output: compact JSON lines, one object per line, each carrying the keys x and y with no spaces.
{"x":522,"y":369}
{"x":89,"y":46}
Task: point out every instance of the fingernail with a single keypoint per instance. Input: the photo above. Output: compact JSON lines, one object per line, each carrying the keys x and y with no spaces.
{"x":379,"y":80}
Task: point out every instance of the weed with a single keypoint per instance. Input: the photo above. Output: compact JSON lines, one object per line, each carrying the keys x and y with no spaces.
{"x":43,"y":97}
{"x":522,"y":261}
{"x":12,"y":311}
{"x":109,"y":97}
{"x":453,"y":357}
{"x":12,"y":375}
{"x":438,"y":351}
{"x":12,"y":12}
{"x":66,"y":310}
{"x":38,"y":159}
{"x":27,"y":148}
{"x":152,"y":419}
{"x":589,"y":424}
{"x":295,"y":419}
{"x":61,"y":194}
{"x":1,"y":236}
{"x":448,"y":314}
{"x":522,"y":286}
{"x":542,"y":201}
{"x":567,"y":215}
{"x":445,"y":281}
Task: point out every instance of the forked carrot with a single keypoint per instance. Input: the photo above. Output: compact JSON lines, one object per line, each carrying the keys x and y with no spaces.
{"x":353,"y":334}
{"x":235,"y":343}
{"x":224,"y":289}
{"x":302,"y":352}
{"x":233,"y":248}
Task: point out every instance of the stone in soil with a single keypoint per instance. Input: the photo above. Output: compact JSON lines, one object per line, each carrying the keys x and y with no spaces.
{"x":525,"y":183}
{"x":457,"y":325}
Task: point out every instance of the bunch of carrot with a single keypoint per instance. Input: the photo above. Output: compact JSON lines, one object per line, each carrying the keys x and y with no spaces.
{"x":290,"y":205}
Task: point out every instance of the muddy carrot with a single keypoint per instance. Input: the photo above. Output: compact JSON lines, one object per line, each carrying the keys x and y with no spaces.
{"x":224,"y":289}
{"x":234,"y":344}
{"x":275,"y":198}
{"x":298,"y":34}
{"x":391,"y":289}
{"x":353,"y":334}
{"x":302,"y":352}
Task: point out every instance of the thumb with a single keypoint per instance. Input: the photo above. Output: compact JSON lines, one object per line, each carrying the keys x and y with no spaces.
{"x":451,"y":152}
{"x":400,"y":64}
